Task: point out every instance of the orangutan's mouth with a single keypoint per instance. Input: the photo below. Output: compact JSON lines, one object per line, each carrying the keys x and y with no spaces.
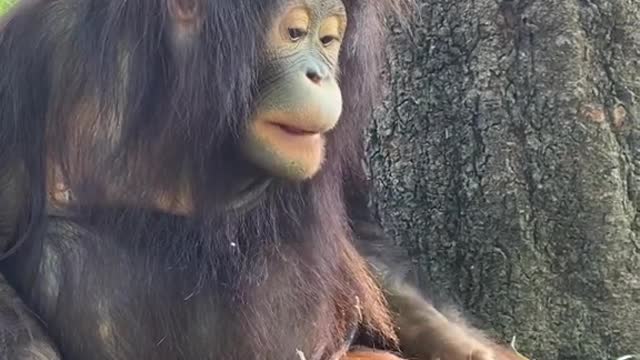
{"x":293,"y":130}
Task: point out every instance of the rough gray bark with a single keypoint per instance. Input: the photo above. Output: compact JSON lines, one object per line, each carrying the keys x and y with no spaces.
{"x":506,"y":160}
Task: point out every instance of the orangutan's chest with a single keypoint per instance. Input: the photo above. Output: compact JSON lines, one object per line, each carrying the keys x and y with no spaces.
{"x":118,"y":307}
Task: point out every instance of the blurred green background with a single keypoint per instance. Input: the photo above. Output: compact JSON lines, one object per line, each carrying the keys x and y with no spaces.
{"x":5,"y":4}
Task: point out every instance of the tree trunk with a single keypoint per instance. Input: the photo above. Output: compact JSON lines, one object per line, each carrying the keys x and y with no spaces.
{"x":506,"y":160}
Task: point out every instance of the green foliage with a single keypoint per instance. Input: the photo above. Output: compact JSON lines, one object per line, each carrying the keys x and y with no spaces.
{"x":5,"y":5}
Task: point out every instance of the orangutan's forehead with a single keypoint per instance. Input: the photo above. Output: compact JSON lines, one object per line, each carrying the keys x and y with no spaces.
{"x":322,"y":6}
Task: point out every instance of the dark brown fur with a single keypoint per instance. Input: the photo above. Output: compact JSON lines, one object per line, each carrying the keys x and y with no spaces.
{"x":68,"y":119}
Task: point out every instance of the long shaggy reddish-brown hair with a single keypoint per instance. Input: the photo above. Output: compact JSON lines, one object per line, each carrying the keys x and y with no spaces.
{"x":92,"y":92}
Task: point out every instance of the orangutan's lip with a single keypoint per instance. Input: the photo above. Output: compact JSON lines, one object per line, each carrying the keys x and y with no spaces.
{"x":296,"y":131}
